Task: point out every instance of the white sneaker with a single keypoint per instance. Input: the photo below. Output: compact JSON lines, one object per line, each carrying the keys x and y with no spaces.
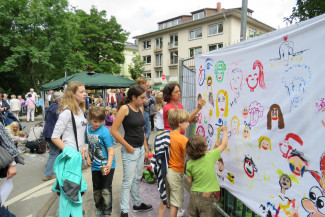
{"x":181,"y":213}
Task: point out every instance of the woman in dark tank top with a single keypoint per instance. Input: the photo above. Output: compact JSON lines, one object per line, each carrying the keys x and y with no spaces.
{"x":134,"y":147}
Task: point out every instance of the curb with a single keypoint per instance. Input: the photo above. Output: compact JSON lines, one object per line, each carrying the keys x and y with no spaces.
{"x":43,"y":211}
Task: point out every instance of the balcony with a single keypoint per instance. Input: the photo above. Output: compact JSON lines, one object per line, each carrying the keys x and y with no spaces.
{"x":168,"y":79}
{"x":158,"y":49}
{"x":172,"y":45}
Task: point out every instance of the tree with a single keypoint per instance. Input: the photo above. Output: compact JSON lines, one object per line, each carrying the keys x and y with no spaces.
{"x":136,"y":68}
{"x":306,"y":9}
{"x":102,"y":41}
{"x":35,"y":43}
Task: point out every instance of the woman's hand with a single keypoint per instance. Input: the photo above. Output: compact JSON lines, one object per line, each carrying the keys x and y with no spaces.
{"x":11,"y":172}
{"x":130,"y":149}
{"x":83,"y":153}
{"x":89,"y":161}
{"x":200,"y":104}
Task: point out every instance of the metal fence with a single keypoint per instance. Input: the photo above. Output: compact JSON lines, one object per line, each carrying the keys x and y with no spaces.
{"x":227,"y":205}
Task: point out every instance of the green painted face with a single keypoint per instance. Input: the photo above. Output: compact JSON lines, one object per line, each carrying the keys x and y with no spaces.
{"x":219,"y":70}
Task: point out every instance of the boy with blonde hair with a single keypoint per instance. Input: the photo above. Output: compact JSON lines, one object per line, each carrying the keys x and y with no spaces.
{"x":200,"y":171}
{"x":101,"y":159}
{"x":178,"y":121}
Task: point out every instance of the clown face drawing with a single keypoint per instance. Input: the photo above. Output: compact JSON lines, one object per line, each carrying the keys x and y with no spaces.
{"x":249,"y":167}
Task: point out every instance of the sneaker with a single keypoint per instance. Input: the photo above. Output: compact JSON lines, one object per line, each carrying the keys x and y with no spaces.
{"x":47,"y":178}
{"x":142,"y":208}
{"x":123,"y":214}
{"x":99,"y":213}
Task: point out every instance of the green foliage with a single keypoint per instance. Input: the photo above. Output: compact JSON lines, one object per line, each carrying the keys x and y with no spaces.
{"x":306,"y":9}
{"x":42,"y":39}
{"x":136,"y":68}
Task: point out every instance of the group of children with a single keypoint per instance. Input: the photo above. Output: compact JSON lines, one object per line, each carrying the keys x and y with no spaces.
{"x":200,"y":169}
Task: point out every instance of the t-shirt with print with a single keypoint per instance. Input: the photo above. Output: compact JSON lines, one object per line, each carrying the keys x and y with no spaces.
{"x":203,"y":172}
{"x":64,"y":128}
{"x":98,"y":141}
{"x":177,"y":151}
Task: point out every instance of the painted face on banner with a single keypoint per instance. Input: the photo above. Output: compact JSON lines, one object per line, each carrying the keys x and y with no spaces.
{"x":265,"y":144}
{"x":246,"y":133}
{"x":249,"y":167}
{"x":252,"y":79}
{"x":275,"y":114}
{"x":221,"y":167}
{"x":200,"y":131}
{"x":286,"y":50}
{"x":297,"y":166}
{"x":296,"y":91}
{"x":222,"y":104}
{"x":236,"y":78}
{"x":234,"y":125}
{"x":245,"y":112}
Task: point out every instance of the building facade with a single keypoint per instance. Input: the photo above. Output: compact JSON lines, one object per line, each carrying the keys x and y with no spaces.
{"x":186,"y":36}
{"x":130,"y":51}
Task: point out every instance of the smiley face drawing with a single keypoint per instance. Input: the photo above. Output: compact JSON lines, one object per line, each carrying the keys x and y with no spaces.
{"x":200,"y":131}
{"x":231,"y":178}
{"x":249,"y":167}
{"x":264,"y":143}
{"x":246,"y":134}
{"x":219,"y":70}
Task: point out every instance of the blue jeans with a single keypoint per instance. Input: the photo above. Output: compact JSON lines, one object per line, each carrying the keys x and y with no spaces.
{"x":54,"y":152}
{"x":113,"y":105}
{"x":147,"y":127}
{"x":132,"y":173}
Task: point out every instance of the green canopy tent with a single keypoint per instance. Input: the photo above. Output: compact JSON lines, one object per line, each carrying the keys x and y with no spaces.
{"x":92,"y":80}
{"x":159,"y":86}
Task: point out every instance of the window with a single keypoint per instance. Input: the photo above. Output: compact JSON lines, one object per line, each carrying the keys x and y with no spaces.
{"x":147,"y":59}
{"x":169,"y":24}
{"x":251,"y":33}
{"x":147,"y":75}
{"x":159,"y":59}
{"x":159,"y":74}
{"x":162,"y":26}
{"x":158,"y":43}
{"x":197,"y":33}
{"x":174,"y":57}
{"x":215,"y":46}
{"x":177,"y":21}
{"x":199,"y":15}
{"x":195,"y":51}
{"x":173,"y":40}
{"x":215,"y":29}
{"x":147,"y":44}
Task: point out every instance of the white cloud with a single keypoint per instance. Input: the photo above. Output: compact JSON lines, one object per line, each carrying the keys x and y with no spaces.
{"x":141,"y":16}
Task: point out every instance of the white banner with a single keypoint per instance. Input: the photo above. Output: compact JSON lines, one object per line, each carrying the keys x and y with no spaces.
{"x":270,"y":92}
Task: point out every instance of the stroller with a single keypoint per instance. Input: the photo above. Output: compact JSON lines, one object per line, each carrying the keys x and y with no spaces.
{"x":7,"y":118}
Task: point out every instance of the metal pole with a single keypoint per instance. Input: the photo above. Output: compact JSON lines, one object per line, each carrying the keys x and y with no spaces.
{"x":243,"y":20}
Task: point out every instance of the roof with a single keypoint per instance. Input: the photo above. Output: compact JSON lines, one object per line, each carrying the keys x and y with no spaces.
{"x":92,"y":80}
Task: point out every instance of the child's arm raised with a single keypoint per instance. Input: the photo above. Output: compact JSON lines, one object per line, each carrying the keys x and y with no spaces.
{"x":224,"y":141}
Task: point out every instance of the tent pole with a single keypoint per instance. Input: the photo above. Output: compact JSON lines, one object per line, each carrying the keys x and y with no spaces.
{"x":43,"y":106}
{"x":104,"y":93}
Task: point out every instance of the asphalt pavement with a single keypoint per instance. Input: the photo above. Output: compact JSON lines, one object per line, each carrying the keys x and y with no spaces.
{"x":32,"y":197}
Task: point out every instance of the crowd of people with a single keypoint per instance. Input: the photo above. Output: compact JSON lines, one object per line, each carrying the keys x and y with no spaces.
{"x":76,"y":139}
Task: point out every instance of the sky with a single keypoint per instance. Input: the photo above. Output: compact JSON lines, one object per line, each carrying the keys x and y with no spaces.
{"x":141,"y":16}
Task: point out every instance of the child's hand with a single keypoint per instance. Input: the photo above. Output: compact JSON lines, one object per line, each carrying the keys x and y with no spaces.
{"x":88,"y":161}
{"x":107,"y":169}
{"x":224,"y":128}
{"x":200,"y":104}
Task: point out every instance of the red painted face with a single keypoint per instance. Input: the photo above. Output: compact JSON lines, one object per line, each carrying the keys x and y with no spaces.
{"x":249,"y":168}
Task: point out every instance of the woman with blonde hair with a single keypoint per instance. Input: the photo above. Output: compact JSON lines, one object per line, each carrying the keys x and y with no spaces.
{"x":13,"y":131}
{"x":69,"y":136}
